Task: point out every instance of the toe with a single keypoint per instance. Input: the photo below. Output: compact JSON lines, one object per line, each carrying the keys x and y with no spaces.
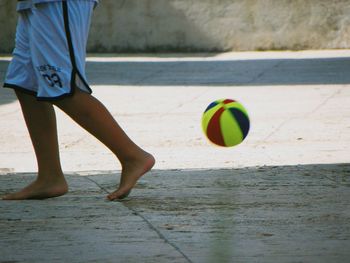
{"x":118,"y":195}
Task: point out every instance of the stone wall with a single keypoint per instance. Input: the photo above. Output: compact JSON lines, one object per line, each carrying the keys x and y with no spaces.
{"x":8,"y":19}
{"x":208,"y":25}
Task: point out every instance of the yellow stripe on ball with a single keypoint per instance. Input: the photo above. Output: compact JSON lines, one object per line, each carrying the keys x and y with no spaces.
{"x":230,"y":129}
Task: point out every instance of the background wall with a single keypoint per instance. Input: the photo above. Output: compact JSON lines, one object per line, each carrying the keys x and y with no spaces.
{"x":8,"y":19}
{"x":208,"y":25}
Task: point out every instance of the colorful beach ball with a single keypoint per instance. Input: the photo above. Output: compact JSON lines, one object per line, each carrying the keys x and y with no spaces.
{"x":225,"y":122}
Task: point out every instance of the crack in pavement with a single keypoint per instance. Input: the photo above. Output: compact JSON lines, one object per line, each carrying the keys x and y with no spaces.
{"x":263,"y":72}
{"x":324,"y":102}
{"x":150,"y":225}
{"x":155,"y":73}
{"x":320,"y":105}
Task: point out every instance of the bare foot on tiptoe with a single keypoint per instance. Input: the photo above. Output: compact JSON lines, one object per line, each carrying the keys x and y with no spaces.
{"x":131,"y":173}
{"x":40,"y":189}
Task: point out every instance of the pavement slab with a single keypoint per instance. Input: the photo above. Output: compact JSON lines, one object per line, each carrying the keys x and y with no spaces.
{"x":261,"y":214}
{"x":280,"y":196}
{"x":81,"y":226}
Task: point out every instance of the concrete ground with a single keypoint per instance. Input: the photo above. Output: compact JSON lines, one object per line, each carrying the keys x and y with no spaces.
{"x":281,"y":196}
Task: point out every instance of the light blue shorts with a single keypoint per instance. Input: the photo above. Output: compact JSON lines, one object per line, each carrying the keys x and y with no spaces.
{"x":49,"y":56}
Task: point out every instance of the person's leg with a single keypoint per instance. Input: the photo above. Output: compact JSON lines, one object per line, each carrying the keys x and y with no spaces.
{"x":93,"y":116}
{"x":41,"y":123}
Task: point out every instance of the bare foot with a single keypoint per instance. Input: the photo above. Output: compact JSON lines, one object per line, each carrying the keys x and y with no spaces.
{"x":40,"y":189}
{"x":131,"y":173}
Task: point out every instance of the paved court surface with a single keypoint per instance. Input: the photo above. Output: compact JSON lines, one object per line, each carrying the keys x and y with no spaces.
{"x":281,"y":196}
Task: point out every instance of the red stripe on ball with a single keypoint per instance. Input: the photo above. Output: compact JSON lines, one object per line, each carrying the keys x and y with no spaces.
{"x":214,"y":128}
{"x":227,"y":101}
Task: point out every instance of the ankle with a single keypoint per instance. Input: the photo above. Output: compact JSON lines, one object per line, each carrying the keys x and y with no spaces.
{"x":52,"y":175}
{"x":133,"y":157}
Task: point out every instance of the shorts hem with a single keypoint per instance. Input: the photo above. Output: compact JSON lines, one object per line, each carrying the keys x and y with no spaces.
{"x":57,"y":98}
{"x":35,"y":94}
{"x":19,"y":88}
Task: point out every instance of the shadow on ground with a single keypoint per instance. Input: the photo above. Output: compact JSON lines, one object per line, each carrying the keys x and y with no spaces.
{"x":266,"y":214}
{"x":222,"y":73}
{"x":213,"y":73}
{"x":6,"y":95}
